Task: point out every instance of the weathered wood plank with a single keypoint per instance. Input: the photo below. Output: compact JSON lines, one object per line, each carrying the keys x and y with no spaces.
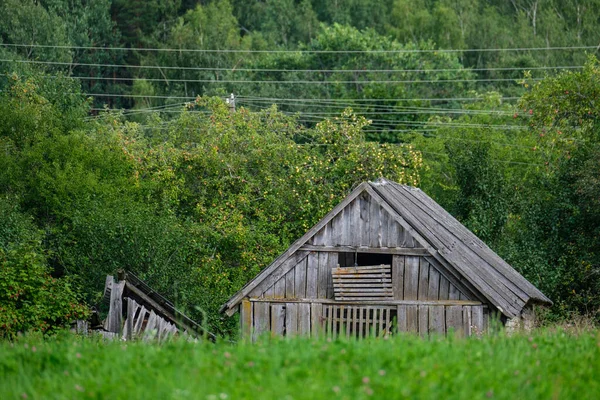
{"x":312,"y":275}
{"x":291,"y":319}
{"x":131,"y":309}
{"x":375,"y":303}
{"x":332,"y":262}
{"x":477,"y":327}
{"x":437,"y":319}
{"x":381,"y":322}
{"x":411,"y":278}
{"x":277,"y":319}
{"x":261,"y":318}
{"x":279,"y":289}
{"x":423,"y":279}
{"x":423,"y":320}
{"x":401,"y":324}
{"x":304,"y":319}
{"x":433,"y":291}
{"x":300,"y":279}
{"x":467,"y":320}
{"x":444,"y":293}
{"x":290,"y":284}
{"x":398,"y":277}
{"x":412,"y":318}
{"x":316,"y":320}
{"x":388,"y":323}
{"x":246,"y":319}
{"x":137,"y":328}
{"x":330,"y":321}
{"x":454,"y":320}
{"x":454,"y":293}
{"x":269,"y":293}
{"x":115,"y":313}
{"x":322,"y":275}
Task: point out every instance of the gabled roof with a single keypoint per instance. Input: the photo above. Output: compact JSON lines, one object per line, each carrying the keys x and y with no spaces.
{"x":446,"y":239}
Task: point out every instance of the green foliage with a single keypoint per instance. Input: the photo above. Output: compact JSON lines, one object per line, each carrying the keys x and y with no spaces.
{"x":540,"y":365}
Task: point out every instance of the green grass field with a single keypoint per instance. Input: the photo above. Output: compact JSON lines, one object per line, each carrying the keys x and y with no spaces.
{"x":546,"y":365}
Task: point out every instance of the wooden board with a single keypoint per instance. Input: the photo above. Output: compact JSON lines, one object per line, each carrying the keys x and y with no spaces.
{"x":246,"y":319}
{"x":437,"y":319}
{"x":291,"y":319}
{"x":277,"y":319}
{"x":411,"y":278}
{"x":317,"y":327}
{"x":300,"y":279}
{"x":454,"y":320}
{"x":423,"y":279}
{"x":423,"y":320}
{"x":262,"y":319}
{"x":290,"y":285}
{"x":373,"y":282}
{"x":312,"y":275}
{"x":304,"y":319}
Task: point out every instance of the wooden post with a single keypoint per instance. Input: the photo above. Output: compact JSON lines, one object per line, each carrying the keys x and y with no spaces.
{"x":115,"y":313}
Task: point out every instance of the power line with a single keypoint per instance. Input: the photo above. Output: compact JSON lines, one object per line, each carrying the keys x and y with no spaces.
{"x":245,"y":51}
{"x":234,"y":69}
{"x":295,"y":82}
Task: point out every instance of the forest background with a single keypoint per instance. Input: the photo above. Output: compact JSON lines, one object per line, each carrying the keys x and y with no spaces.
{"x":118,"y":151}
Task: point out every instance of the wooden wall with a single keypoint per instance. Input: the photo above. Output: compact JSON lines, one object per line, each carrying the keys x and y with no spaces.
{"x":363,"y":223}
{"x":261,"y":317}
{"x":413,"y":278}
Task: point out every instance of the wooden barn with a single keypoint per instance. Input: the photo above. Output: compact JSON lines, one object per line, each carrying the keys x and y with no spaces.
{"x":387,"y":258}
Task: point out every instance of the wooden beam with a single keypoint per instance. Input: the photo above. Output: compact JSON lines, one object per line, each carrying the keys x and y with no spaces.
{"x":375,"y":303}
{"x":400,"y":251}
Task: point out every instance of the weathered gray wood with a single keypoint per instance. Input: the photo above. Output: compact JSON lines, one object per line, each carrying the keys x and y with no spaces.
{"x":498,"y":287}
{"x":388,"y":322}
{"x":149,"y":331}
{"x":246,"y":319}
{"x":277,"y":319}
{"x":433,"y":292}
{"x":139,"y":321}
{"x":290,"y":285}
{"x":423,"y":279}
{"x":300,"y":279}
{"x":437,"y":319}
{"x":364,"y":219}
{"x":270,"y":280}
{"x":291,"y":319}
{"x":332,"y":262}
{"x":423,"y":320}
{"x":337,"y":317}
{"x":356,"y":222}
{"x":375,"y":303}
{"x":467,"y":320}
{"x":304,"y":319}
{"x":261,"y":318}
{"x":477,"y":320}
{"x":269,"y":293}
{"x":312,"y":274}
{"x":131,"y":309}
{"x":322,"y":275}
{"x":454,"y":319}
{"x":398,"y":277}
{"x":412,"y":318}
{"x":454,"y":293}
{"x":329,"y":321}
{"x":401,"y":324}
{"x":411,"y":278}
{"x":444,"y":288}
{"x":316,"y":320}
{"x":373,"y":228}
{"x":382,"y":327}
{"x":279,"y":289}
{"x":115,"y":313}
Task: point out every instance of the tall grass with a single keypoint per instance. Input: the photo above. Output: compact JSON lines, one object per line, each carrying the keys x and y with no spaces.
{"x":545,"y":365}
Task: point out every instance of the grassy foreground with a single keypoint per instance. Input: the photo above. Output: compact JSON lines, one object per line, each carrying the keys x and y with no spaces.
{"x":545,"y":365}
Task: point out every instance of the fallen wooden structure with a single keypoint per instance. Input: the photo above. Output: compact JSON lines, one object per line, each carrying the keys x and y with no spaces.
{"x":386,"y":259}
{"x":136,"y":311}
